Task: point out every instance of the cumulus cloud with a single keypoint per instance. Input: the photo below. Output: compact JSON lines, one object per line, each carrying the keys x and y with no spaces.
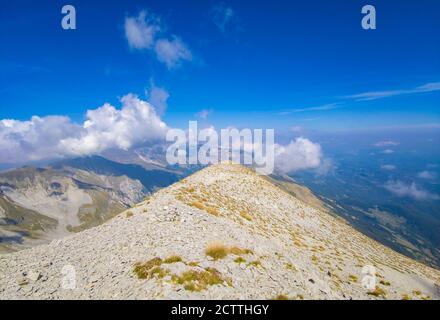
{"x":32,"y":140}
{"x":143,"y":32}
{"x":140,"y":31}
{"x":172,"y":52}
{"x":386,"y":143}
{"x":429,"y":175}
{"x":402,"y":189}
{"x":388,"y":167}
{"x":388,"y":151}
{"x":299,"y":154}
{"x":106,"y":127}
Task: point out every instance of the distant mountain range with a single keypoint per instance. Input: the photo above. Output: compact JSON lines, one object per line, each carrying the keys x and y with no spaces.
{"x":41,"y":204}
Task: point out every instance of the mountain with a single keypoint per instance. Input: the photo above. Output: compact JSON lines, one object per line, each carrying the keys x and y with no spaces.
{"x":224,"y":233}
{"x":41,"y":204}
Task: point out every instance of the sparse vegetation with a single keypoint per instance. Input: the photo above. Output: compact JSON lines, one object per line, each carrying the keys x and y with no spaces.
{"x":219,"y":251}
{"x":172,"y":259}
{"x":417,"y":292}
{"x":353,"y":278}
{"x":378,"y":292}
{"x":385,"y":283}
{"x":239,"y":260}
{"x":290,"y":266}
{"x":281,"y":297}
{"x":152,"y":268}
{"x":239,"y":251}
{"x":199,"y":280}
{"x":129,"y":214}
{"x":198,"y":205}
{"x":158,"y":272}
{"x":144,"y":270}
{"x":246,"y":215}
{"x":406,"y":297}
{"x":212,"y":211}
{"x":255,"y":263}
{"x":216,"y":251}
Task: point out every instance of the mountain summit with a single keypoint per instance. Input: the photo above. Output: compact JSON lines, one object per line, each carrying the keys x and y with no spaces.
{"x":222,"y":233}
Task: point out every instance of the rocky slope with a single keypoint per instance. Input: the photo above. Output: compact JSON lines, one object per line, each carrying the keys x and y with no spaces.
{"x":222,"y":233}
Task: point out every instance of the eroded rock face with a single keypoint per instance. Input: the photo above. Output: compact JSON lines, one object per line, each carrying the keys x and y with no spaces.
{"x":37,"y":205}
{"x":222,"y":233}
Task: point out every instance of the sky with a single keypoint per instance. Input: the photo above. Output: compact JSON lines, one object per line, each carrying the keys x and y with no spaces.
{"x":280,"y":64}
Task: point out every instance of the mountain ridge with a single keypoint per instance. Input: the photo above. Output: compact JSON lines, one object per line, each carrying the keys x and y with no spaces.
{"x":221,"y":233}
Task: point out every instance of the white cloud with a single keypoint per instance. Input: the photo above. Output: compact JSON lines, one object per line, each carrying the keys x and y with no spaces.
{"x":373,"y":95}
{"x":401,"y":189}
{"x":172,"y":52}
{"x":429,"y":175}
{"x":386,"y":143}
{"x":329,"y":106}
{"x":223,"y":16}
{"x":388,"y":151}
{"x":140,"y":31}
{"x":144,"y":33}
{"x":299,"y":154}
{"x":36,"y":139}
{"x":388,"y":167}
{"x":158,"y":97}
{"x":55,"y":136}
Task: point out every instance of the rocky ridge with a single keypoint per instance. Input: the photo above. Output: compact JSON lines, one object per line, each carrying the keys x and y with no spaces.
{"x":222,"y":233}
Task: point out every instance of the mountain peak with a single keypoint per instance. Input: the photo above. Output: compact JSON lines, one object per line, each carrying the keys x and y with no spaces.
{"x":224,"y":233}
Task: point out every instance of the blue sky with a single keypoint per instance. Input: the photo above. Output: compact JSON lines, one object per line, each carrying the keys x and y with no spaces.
{"x":273,"y":63}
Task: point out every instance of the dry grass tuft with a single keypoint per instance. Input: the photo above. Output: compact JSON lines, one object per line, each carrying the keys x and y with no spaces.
{"x":199,"y":280}
{"x":353,"y":278}
{"x":172,"y":259}
{"x":147,"y":269}
{"x":290,"y":267}
{"x":129,"y":214}
{"x":281,"y":297}
{"x":378,"y":292}
{"x":385,"y":283}
{"x":197,"y":205}
{"x":239,"y":251}
{"x":255,"y":264}
{"x":246,"y":215}
{"x":216,"y":251}
{"x":212,"y":211}
{"x":239,"y":260}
